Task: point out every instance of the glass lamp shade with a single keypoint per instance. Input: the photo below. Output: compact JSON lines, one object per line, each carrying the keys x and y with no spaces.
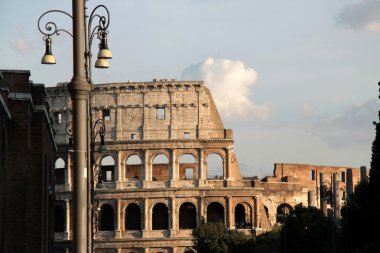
{"x":48,"y":57}
{"x":102,"y":63}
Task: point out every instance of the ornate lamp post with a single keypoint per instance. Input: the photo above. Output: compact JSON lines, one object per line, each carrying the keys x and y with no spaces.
{"x":79,"y":89}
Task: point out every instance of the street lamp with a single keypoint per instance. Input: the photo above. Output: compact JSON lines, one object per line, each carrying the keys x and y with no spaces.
{"x":79,"y":89}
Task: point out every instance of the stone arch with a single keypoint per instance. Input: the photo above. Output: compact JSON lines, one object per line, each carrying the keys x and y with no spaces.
{"x":160,"y":217}
{"x":215,"y":166}
{"x":133,"y":217}
{"x":107,"y":168}
{"x":188,"y":166}
{"x":243,"y":214}
{"x":59,"y":219}
{"x":187,"y":216}
{"x":160,"y":167}
{"x":215,"y":212}
{"x":59,"y":172}
{"x":107,"y":218}
{"x":282,"y":211}
{"x":133,"y":167}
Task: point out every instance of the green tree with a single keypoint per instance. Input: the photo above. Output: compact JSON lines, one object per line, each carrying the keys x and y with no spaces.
{"x":210,"y":237}
{"x":213,"y":237}
{"x":306,"y":230}
{"x":360,"y":216}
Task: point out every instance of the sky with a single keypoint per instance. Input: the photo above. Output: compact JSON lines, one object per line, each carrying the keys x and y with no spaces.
{"x":295,"y":79}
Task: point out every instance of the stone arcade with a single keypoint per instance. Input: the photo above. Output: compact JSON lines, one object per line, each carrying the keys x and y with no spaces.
{"x":171,"y":166}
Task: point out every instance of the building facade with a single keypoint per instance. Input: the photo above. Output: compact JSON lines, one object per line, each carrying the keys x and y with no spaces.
{"x":27,"y":154}
{"x":170,"y":166}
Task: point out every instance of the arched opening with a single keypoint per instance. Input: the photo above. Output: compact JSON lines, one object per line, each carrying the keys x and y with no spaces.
{"x":107,"y":169}
{"x":243,"y":216}
{"x":133,"y":217}
{"x":215,"y":167}
{"x":187,"y":167}
{"x":133,"y":168}
{"x":283,"y":210}
{"x":59,"y":172}
{"x":59,"y":219}
{"x":160,"y":168}
{"x":160,"y":217}
{"x":215,"y":212}
{"x":187,"y":216}
{"x":106,"y":218}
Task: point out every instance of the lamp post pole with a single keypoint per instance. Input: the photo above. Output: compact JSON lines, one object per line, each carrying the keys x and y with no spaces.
{"x":79,"y":89}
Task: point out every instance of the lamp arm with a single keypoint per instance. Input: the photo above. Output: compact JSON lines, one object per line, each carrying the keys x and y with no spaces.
{"x":50,"y":28}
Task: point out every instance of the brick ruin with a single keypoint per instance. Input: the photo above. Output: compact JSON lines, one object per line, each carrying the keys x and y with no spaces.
{"x":170,"y":165}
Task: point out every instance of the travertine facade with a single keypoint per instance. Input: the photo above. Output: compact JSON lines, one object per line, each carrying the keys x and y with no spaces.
{"x":158,"y":176}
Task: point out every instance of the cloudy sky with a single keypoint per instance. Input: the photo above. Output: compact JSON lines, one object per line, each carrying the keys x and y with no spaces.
{"x":295,"y":79}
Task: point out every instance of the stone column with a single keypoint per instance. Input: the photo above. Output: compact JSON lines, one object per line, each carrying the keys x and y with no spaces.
{"x":229,"y":214}
{"x":201,"y":171}
{"x":336,"y":197}
{"x":119,"y":170}
{"x":363,"y":174}
{"x":69,"y":169}
{"x":257,"y":220}
{"x":172,"y":119}
{"x":228,"y":166}
{"x":146,"y":217}
{"x":172,"y":217}
{"x":200,"y":211}
{"x":118,"y":219}
{"x":147,"y":169}
{"x":349,"y":184}
{"x":173,"y":165}
{"x":67,"y":227}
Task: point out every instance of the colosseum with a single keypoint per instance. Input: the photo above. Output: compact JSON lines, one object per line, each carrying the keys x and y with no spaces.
{"x":170,"y":166}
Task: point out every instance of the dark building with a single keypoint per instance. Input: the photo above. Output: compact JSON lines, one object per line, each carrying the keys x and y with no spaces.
{"x":27,"y":154}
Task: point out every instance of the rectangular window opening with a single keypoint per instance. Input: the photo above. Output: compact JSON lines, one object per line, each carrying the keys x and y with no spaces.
{"x":160,"y":113}
{"x":343,"y":176}
{"x":106,"y":115}
{"x":109,"y":175}
{"x":312,"y":175}
{"x":133,"y":136}
{"x":186,"y":135}
{"x":189,"y":174}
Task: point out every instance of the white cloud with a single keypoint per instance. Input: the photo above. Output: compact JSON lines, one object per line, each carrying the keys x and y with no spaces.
{"x":230,"y":83}
{"x":362,"y":15}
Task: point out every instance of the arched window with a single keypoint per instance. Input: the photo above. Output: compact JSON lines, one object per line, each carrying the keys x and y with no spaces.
{"x":215,"y":167}
{"x":160,"y":168}
{"x":59,"y":219}
{"x":106,"y":218}
{"x":133,"y":168}
{"x":187,"y":167}
{"x":243,"y":216}
{"x":133,"y":217}
{"x":283,"y":210}
{"x":160,"y":217}
{"x":187,"y":216}
{"x":215,"y":212}
{"x":59,"y":172}
{"x":108,"y":169}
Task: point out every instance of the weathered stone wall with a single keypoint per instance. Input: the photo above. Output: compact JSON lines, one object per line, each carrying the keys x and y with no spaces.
{"x":169,"y":118}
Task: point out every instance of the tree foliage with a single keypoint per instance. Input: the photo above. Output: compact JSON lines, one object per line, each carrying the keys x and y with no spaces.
{"x":213,"y":237}
{"x":360,"y":216}
{"x":307,"y":230}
